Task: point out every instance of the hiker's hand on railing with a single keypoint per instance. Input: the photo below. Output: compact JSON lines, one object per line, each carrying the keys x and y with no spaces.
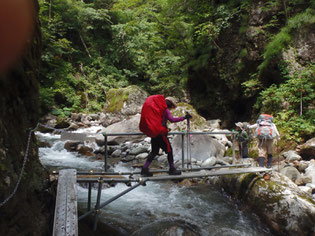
{"x":187,"y":116}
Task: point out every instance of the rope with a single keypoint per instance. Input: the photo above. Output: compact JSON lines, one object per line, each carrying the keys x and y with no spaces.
{"x":25,"y":159}
{"x":22,"y":170}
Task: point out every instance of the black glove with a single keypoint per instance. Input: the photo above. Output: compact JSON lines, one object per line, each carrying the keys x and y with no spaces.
{"x":187,"y":116}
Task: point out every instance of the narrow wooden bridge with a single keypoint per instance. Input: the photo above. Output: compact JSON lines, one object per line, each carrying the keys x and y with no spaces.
{"x":66,"y":214}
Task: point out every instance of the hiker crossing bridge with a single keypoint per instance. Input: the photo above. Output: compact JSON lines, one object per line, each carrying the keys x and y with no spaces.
{"x":66,"y":214}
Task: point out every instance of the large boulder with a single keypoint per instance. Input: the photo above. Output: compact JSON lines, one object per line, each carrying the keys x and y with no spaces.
{"x":197,"y":122}
{"x":307,"y":150}
{"x":122,"y":103}
{"x":278,"y":202}
{"x":201,"y":147}
{"x":125,"y":101}
{"x":291,"y":172}
{"x":127,"y":126}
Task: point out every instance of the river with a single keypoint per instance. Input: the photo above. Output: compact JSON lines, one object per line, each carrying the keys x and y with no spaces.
{"x":196,"y":210}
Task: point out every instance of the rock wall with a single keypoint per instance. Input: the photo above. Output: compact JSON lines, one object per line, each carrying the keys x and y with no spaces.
{"x":278,"y":202}
{"x":216,"y":88}
{"x":29,"y":210}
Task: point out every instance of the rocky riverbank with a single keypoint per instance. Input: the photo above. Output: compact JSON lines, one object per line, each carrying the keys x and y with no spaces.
{"x":285,"y":202}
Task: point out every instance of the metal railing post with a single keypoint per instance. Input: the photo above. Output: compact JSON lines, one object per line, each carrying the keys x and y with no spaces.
{"x":183,"y":152}
{"x":233,"y":148}
{"x":98,"y":201}
{"x":106,"y":153}
{"x":89,"y":196}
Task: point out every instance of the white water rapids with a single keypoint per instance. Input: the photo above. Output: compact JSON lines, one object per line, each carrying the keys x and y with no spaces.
{"x":202,"y":209}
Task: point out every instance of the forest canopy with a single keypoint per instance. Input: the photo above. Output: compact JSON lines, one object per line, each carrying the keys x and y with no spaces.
{"x":201,"y":52}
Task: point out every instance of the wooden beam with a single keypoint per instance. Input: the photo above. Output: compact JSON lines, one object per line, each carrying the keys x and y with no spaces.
{"x":66,"y":213}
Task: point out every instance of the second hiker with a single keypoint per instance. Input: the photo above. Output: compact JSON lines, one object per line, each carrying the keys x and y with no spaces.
{"x":266,"y":132}
{"x":242,"y":139}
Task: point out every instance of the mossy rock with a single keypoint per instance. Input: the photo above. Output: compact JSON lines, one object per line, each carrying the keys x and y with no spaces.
{"x":196,"y":123}
{"x":127,"y":101}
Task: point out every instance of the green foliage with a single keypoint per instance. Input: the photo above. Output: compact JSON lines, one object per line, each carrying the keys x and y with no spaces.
{"x":47,"y":99}
{"x":292,"y":103}
{"x":72,"y":74}
{"x":283,"y":38}
{"x":92,"y":46}
{"x":252,"y":85}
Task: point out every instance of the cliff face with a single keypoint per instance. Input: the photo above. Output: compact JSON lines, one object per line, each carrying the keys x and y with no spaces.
{"x":29,"y":210}
{"x":216,"y":88}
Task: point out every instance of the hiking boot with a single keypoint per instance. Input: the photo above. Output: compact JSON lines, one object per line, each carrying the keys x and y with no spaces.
{"x":145,"y":172}
{"x":269,"y":162}
{"x":174,"y":172}
{"x":261,"y":161}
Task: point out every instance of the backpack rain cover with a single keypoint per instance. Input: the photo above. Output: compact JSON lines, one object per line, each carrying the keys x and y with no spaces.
{"x":265,"y":129}
{"x":151,"y":116}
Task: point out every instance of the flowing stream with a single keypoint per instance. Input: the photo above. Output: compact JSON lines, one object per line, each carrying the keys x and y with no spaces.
{"x":196,"y":210}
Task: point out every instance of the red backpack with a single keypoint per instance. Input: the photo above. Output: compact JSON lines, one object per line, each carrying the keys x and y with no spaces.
{"x":151,"y":116}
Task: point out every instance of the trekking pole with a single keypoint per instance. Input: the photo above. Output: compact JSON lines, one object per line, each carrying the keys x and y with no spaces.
{"x":277,"y":147}
{"x":188,"y":141}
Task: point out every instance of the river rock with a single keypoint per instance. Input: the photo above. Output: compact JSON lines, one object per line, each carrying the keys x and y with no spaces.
{"x":221,"y":137}
{"x":162,"y":158}
{"x":310,"y":171}
{"x":186,"y":183}
{"x":307,"y":150}
{"x":302,"y":165}
{"x":85,"y":151}
{"x":227,"y":159}
{"x":283,"y":206}
{"x":291,"y":156}
{"x":214,"y":124}
{"x":306,"y":189}
{"x":116,"y":153}
{"x":303,"y":180}
{"x":72,"y":146}
{"x":127,"y":158}
{"x":209,"y":162}
{"x":142,"y":156}
{"x":138,"y":150}
{"x":291,"y":172}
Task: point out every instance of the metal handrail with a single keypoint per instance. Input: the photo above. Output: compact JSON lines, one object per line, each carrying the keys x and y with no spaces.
{"x":158,"y":171}
{"x":170,"y":133}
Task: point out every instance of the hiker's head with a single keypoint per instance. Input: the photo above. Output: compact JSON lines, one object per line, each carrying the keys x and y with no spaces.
{"x":239,"y":126}
{"x":170,"y":102}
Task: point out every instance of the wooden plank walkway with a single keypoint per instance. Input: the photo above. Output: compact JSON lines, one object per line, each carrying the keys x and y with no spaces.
{"x":207,"y":173}
{"x":164,"y":176}
{"x":66,"y":213}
